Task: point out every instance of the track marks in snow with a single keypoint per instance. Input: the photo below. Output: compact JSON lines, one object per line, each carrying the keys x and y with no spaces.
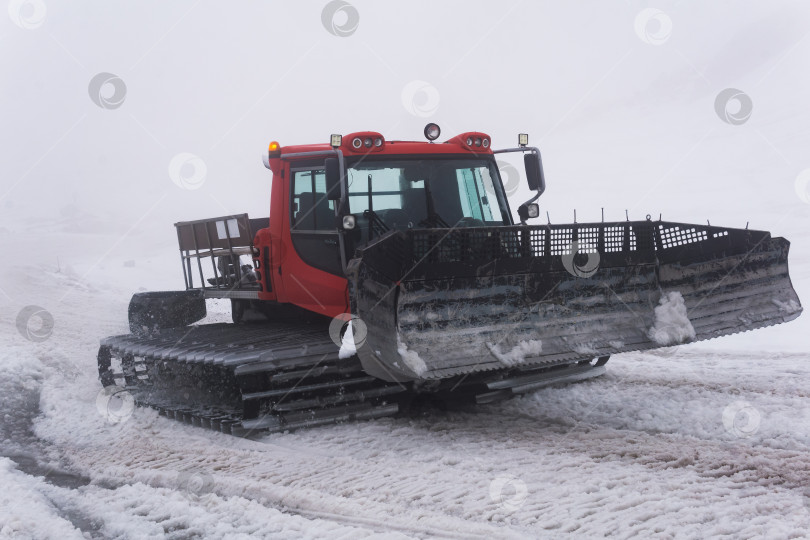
{"x":433,"y":474}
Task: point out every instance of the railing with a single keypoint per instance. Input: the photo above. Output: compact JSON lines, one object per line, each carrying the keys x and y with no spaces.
{"x":616,"y":243}
{"x":219,"y":242}
{"x":487,"y":243}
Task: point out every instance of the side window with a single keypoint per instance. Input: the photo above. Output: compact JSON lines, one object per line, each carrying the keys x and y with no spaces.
{"x":487,"y":191}
{"x":477,"y":193}
{"x":310,"y":209}
{"x":468,"y":192}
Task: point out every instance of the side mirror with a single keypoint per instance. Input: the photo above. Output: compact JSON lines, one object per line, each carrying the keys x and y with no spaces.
{"x":534,"y":172}
{"x":333,"y":174}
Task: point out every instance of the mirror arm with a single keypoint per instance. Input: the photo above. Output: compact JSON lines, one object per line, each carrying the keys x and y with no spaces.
{"x":541,"y":188}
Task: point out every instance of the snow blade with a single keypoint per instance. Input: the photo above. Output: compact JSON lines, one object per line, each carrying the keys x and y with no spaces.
{"x":448,"y":302}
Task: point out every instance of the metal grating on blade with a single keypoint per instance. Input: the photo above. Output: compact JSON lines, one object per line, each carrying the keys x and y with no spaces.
{"x":588,"y":240}
{"x":538,"y":241}
{"x":614,"y":240}
{"x":679,"y":236}
{"x":561,"y":241}
{"x":471,"y":245}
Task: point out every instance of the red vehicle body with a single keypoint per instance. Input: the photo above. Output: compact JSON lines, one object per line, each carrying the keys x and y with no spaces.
{"x":291,"y":279}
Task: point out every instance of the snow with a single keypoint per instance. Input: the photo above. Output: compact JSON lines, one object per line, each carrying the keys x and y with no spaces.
{"x":695,"y":441}
{"x":586,"y":349}
{"x":25,"y":511}
{"x":789,"y":307}
{"x":519,"y":353}
{"x":410,"y":358}
{"x":347,"y":346}
{"x":672,"y":325}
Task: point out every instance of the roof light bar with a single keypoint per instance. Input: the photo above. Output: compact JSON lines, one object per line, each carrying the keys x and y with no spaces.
{"x":363,"y":142}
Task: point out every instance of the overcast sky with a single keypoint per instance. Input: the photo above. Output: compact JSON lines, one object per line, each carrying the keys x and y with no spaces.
{"x":619,"y":95}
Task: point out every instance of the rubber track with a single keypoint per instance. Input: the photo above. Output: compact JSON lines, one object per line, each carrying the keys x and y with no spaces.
{"x":240,"y":379}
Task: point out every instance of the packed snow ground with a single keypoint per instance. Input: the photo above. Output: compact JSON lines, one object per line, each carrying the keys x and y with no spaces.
{"x":685,"y":441}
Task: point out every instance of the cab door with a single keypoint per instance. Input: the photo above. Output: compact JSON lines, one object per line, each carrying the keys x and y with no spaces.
{"x":313,"y":273}
{"x":312,"y":220}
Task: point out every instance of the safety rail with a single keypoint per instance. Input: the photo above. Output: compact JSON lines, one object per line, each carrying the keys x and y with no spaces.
{"x":405,"y":252}
{"x":223,"y":241}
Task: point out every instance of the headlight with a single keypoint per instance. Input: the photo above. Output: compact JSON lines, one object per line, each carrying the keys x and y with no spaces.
{"x":523,"y":139}
{"x":432,"y":132}
{"x":349,"y":222}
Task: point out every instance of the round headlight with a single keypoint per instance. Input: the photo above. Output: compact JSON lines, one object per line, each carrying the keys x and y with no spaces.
{"x":378,"y":142}
{"x":469,"y":141}
{"x":477,"y":141}
{"x":432,"y":131}
{"x":357,"y":143}
{"x":486,"y":143}
{"x":367,"y":142}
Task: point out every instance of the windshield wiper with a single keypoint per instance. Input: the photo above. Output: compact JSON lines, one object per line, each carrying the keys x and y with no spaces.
{"x":434,"y":220}
{"x":376,"y":226}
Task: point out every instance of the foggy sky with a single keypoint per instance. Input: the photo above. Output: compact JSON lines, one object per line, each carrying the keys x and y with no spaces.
{"x":622,"y":123}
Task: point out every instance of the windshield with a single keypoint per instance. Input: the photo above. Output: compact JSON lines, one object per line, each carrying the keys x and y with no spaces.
{"x":427,"y":193}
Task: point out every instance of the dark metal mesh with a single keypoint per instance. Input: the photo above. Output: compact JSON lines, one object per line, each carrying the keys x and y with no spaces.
{"x":488,"y":243}
{"x":679,"y":236}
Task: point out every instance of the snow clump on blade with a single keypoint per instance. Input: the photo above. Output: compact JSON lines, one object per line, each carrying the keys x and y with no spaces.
{"x":411,"y":358}
{"x":672,"y":325}
{"x":519,"y":353}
